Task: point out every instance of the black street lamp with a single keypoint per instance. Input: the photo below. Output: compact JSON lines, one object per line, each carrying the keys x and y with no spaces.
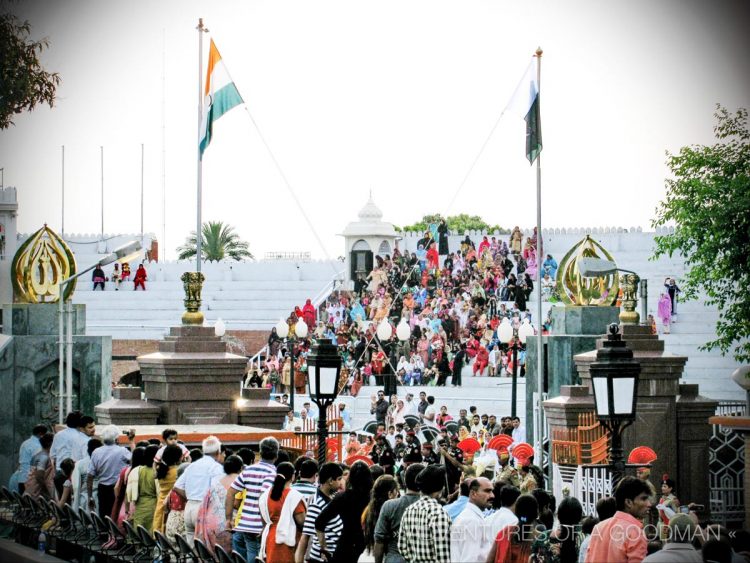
{"x":614,"y":381}
{"x":323,"y":372}
{"x":299,"y":332}
{"x":515,"y":338}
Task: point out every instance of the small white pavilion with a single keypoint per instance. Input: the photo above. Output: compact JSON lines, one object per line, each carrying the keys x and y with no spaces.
{"x":366,"y":238}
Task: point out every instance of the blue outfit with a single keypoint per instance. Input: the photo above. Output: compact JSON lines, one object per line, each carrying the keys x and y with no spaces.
{"x":457,"y":507}
{"x":550,"y":267}
{"x":26,"y":452}
{"x":357,"y":312}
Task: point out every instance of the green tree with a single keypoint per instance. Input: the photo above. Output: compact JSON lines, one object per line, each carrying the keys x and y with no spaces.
{"x":456,"y":223}
{"x":708,"y":201}
{"x":218,"y":241}
{"x":23,"y":81}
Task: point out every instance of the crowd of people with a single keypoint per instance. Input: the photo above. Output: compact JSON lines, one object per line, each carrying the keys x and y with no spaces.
{"x":402,"y":502}
{"x":118,"y":275}
{"x":452,"y":301}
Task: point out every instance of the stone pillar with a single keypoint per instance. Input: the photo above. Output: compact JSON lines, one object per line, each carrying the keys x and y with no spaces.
{"x":258,"y":410}
{"x":658,"y":388}
{"x":574,"y":330}
{"x":693,"y":435}
{"x":29,"y":381}
{"x":192,"y":378}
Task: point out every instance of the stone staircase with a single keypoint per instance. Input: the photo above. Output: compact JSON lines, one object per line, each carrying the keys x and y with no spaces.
{"x":254,"y":295}
{"x":491,"y":395}
{"x":246,"y":296}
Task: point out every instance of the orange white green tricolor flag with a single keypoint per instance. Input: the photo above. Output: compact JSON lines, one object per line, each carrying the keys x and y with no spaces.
{"x":221,"y":95}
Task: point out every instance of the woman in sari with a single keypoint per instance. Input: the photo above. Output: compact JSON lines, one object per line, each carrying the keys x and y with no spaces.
{"x":357,"y":383}
{"x":665,"y":312}
{"x":211,"y":518}
{"x":121,"y":507}
{"x":282,"y":509}
{"x":145,"y":503}
{"x":166,"y":475}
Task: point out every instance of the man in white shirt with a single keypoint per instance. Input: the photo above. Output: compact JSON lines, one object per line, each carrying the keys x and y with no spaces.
{"x":519,"y":432}
{"x":504,"y":516}
{"x":410,"y":407}
{"x":470,"y":540}
{"x":195,"y":481}
{"x":430,"y":412}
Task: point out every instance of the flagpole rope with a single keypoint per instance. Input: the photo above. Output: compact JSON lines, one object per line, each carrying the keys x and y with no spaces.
{"x":289,"y":187}
{"x":473,"y":164}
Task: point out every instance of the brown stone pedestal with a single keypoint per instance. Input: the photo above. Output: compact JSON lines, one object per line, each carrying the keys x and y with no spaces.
{"x":670,"y":417}
{"x":126,"y":408}
{"x":192,"y":378}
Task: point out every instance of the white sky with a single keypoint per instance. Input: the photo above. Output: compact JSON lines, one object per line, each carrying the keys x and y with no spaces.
{"x":393,"y":96}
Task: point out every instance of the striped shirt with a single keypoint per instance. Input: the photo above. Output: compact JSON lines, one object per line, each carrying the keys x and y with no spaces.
{"x":333,"y":529}
{"x":255,"y":480}
{"x":307,"y":490}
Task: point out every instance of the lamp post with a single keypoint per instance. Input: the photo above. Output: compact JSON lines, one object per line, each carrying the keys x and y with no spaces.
{"x":614,"y":381}
{"x":124,"y":253}
{"x":512,"y":335}
{"x":323,"y":372}
{"x":299,"y":332}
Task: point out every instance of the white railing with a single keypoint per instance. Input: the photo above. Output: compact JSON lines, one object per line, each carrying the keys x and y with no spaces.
{"x":256,"y":362}
{"x":587,"y":483}
{"x":329,"y":288}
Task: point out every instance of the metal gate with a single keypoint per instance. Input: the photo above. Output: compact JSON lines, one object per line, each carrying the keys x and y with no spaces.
{"x":727,"y":468}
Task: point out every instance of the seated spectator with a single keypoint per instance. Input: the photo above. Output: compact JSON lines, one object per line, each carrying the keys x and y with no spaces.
{"x":140,"y":278}
{"x":98,"y":277}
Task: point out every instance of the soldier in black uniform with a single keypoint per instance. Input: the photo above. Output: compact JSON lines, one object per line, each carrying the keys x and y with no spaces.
{"x":383,"y":455}
{"x":429,"y":457}
{"x":400,"y":448}
{"x":454,"y":459}
{"x":413,"y":446}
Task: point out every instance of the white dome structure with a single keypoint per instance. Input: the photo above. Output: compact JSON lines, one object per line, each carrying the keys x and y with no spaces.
{"x":366,"y":238}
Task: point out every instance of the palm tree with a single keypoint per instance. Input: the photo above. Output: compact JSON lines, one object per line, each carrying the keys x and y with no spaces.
{"x":218,"y":241}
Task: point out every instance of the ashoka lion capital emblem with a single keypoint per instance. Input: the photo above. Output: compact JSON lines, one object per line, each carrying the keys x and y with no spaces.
{"x":193,"y":283}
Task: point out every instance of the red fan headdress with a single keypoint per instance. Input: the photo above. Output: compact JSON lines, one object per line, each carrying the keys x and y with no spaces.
{"x":469,"y":445}
{"x":500,"y":441}
{"x":642,"y":455}
{"x":522,"y":451}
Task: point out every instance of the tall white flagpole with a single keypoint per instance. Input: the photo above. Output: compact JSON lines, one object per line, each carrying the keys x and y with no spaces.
{"x":539,"y":423}
{"x":101,"y":152}
{"x":201,"y":30}
{"x":143,"y":242}
{"x":62,"y":218}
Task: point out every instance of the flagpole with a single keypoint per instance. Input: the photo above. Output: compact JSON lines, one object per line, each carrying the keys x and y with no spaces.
{"x":539,"y":424}
{"x":201,"y":30}
{"x":142,"y":157}
{"x":62,"y":218}
{"x":101,"y":152}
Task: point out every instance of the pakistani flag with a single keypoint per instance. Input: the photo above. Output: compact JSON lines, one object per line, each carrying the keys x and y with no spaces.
{"x":525,"y":103}
{"x":221,"y":95}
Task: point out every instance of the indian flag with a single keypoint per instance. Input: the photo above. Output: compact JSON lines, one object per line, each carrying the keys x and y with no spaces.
{"x":525,"y":103}
{"x":221,"y":95}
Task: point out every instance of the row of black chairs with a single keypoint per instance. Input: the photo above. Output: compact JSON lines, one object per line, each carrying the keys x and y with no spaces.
{"x":82,"y":534}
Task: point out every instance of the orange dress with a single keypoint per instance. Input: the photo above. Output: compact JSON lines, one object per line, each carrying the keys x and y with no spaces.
{"x":280,"y":552}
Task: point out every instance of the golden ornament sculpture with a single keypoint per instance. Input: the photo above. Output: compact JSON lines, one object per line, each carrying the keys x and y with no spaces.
{"x":574,"y":289}
{"x":629,"y":282}
{"x":40,"y":264}
{"x":193,"y":284}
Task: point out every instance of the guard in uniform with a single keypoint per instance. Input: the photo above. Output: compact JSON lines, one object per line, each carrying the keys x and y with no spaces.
{"x":507,"y":472}
{"x":429,"y":457}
